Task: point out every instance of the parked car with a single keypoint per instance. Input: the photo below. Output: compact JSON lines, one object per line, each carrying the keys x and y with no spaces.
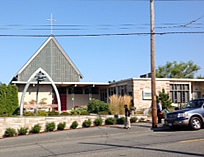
{"x":192,"y":115}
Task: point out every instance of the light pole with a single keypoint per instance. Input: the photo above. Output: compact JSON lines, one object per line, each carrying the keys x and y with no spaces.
{"x":39,"y":77}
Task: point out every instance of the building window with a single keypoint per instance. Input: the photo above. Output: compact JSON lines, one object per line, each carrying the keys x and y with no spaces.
{"x":179,"y":93}
{"x":103,"y":95}
{"x":75,"y":90}
{"x":91,"y":90}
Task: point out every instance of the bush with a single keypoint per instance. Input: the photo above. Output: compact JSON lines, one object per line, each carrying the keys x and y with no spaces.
{"x":65,"y":113}
{"x":61,"y":126}
{"x":42,"y":113}
{"x":133,"y":119}
{"x":117,"y":103}
{"x":104,"y":113}
{"x":142,"y":119}
{"x":29,"y":113}
{"x":98,"y":122}
{"x":22,"y":131}
{"x":87,"y":123}
{"x":50,"y":126}
{"x":84,"y":112}
{"x":36,"y":129}
{"x":10,"y":132}
{"x":121,"y":120}
{"x":74,"y":125}
{"x":53,"y":113}
{"x":96,"y":106}
{"x":110,"y":121}
{"x":75,"y":112}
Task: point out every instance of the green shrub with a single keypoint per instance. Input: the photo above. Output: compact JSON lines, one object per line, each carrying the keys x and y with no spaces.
{"x":87,"y":123}
{"x":104,"y":113}
{"x":98,"y":122}
{"x":42,"y":113}
{"x":110,"y":121}
{"x":50,"y":126}
{"x":65,"y":113}
{"x":75,"y":112}
{"x":61,"y":126}
{"x":121,"y":120}
{"x":133,"y":119}
{"x":74,"y":125}
{"x":36,"y":129}
{"x":96,"y":106}
{"x":10,"y":132}
{"x":53,"y":113}
{"x":29,"y":113}
{"x":83,"y":112}
{"x":142,"y":119}
{"x":22,"y":131}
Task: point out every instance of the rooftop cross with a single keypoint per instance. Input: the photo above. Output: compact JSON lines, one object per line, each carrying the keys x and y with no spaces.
{"x":51,"y":22}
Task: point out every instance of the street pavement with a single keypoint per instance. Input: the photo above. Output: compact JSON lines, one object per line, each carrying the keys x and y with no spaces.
{"x":112,"y":141}
{"x":90,"y":132}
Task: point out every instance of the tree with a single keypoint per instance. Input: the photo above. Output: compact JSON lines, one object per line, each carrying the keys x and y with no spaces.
{"x":177,"y":70}
{"x":200,"y":77}
{"x":164,"y":97}
{"x":13,"y":98}
{"x":8,"y":99}
{"x":3,"y":99}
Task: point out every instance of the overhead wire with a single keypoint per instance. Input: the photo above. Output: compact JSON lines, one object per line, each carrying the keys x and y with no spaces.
{"x":100,"y":35}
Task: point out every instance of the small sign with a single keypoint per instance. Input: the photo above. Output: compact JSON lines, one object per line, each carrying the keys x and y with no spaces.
{"x":147,"y":95}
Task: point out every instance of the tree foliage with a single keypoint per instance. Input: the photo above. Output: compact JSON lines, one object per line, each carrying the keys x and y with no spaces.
{"x":177,"y":70}
{"x":164,"y":97}
{"x":200,"y":77}
{"x":8,"y":99}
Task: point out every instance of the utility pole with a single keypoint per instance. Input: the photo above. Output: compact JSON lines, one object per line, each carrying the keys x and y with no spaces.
{"x":153,"y":71}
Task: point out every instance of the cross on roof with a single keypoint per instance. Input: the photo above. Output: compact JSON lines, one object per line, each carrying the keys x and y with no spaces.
{"x":51,"y":23}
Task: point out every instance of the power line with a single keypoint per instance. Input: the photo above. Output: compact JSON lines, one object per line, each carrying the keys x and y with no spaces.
{"x":140,"y":0}
{"x":101,"y":35}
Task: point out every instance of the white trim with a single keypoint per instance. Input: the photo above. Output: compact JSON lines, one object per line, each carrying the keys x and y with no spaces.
{"x":29,"y":82}
{"x":63,"y":83}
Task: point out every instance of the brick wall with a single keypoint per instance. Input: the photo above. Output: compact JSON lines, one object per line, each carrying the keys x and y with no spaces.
{"x":142,"y":86}
{"x":18,"y":122}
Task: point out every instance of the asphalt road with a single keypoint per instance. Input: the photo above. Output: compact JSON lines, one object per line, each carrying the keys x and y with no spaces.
{"x":110,"y":141}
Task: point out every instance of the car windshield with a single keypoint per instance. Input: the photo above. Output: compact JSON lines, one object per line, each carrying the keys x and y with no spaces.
{"x":194,"y":104}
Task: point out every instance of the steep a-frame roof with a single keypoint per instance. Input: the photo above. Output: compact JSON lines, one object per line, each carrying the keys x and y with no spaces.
{"x":53,"y":59}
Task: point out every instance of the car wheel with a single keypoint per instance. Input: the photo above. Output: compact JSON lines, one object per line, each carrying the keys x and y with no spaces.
{"x":195,"y":123}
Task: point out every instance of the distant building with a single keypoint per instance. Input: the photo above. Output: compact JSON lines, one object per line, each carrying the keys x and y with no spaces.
{"x":146,"y":75}
{"x":63,"y":74}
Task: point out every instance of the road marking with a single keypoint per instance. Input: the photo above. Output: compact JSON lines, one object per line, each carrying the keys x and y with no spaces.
{"x":195,"y":140}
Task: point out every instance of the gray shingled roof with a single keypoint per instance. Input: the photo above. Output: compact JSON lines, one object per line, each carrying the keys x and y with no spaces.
{"x":53,"y":59}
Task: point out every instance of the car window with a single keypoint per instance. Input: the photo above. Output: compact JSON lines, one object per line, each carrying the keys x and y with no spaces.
{"x":195,"y":104}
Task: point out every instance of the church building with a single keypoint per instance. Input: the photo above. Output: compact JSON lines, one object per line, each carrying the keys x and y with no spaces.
{"x":51,"y":77}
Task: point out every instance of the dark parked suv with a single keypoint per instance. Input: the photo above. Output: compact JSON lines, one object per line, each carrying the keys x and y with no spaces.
{"x":192,"y":115}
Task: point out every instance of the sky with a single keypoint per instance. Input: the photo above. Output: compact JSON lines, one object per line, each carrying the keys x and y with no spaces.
{"x":97,"y":35}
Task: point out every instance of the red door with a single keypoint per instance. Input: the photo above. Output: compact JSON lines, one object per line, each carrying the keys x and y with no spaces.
{"x":63,"y":99}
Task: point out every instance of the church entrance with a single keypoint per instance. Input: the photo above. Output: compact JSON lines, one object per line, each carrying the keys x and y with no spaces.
{"x":63,"y":98}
